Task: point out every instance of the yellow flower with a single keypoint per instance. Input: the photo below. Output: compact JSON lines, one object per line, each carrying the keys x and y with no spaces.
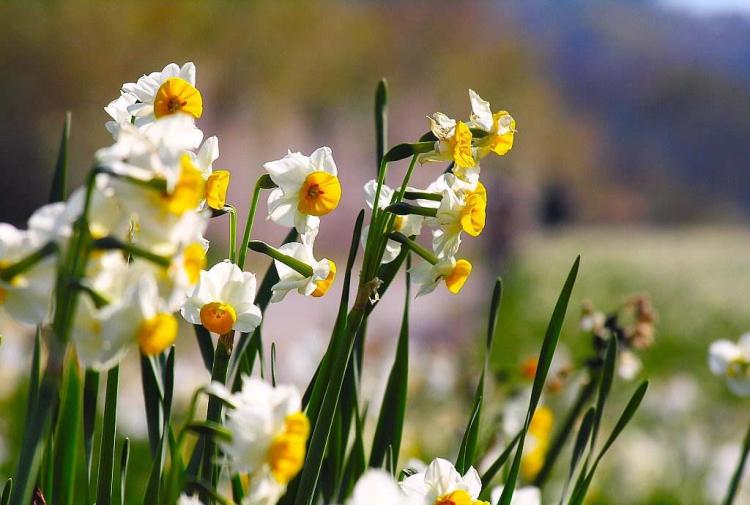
{"x":320,"y":194}
{"x":454,"y":142}
{"x":286,"y":454}
{"x":188,"y":190}
{"x":322,"y":286}
{"x":157,"y":333}
{"x":217,"y":185}
{"x":457,"y":278}
{"x":177,"y":95}
{"x":218,"y":317}
{"x":474,"y":212}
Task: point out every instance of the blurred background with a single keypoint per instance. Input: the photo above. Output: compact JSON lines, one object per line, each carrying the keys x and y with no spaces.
{"x":632,"y":150}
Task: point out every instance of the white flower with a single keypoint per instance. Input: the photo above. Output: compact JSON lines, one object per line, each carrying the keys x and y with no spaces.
{"x":223,"y":300}
{"x":500,"y":126}
{"x":732,"y":361}
{"x":118,"y":111}
{"x":463,"y":208}
{"x":264,"y":490}
{"x":453,"y":272}
{"x":527,"y":495}
{"x":104,"y":335}
{"x":317,"y":284}
{"x":308,"y":187}
{"x":154,"y":152}
{"x":268,"y":434}
{"x":441,"y":480}
{"x":409,"y":225}
{"x":156,"y":95}
{"x":377,"y":487}
{"x":26,"y":297}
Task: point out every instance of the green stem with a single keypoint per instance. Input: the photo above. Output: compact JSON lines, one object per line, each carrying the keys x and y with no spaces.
{"x":106,"y":243}
{"x":263,"y":182}
{"x":232,"y":233}
{"x":734,"y":484}
{"x":213,"y":414}
{"x":299,"y":266}
{"x":403,"y":239}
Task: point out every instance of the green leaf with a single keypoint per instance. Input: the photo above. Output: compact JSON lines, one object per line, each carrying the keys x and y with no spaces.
{"x":90,"y":398}
{"x":344,"y":335}
{"x":124,"y":458}
{"x":734,"y":484}
{"x":605,"y":385}
{"x":58,"y":191}
{"x":498,"y":464}
{"x":381,"y":120}
{"x":585,"y":393}
{"x":152,"y":397}
{"x":107,"y":448}
{"x":467,"y":451}
{"x":205,"y":345}
{"x":581,"y":441}
{"x":321,"y":377}
{"x":273,"y":364}
{"x":403,"y":151}
{"x":66,"y":435}
{"x":582,"y":486}
{"x":355,"y":464}
{"x":7,"y":488}
{"x":468,"y":447}
{"x":545,"y":359}
{"x":390,"y":424}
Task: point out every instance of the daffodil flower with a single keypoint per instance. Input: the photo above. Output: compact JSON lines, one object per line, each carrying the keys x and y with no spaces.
{"x":26,"y":296}
{"x":216,"y":181}
{"x":453,"y":142}
{"x":153,"y":153}
{"x":449,"y":270}
{"x":500,"y":126}
{"x":308,"y":187}
{"x":527,"y":495}
{"x":732,"y":361}
{"x":223,"y":300}
{"x":298,"y":269}
{"x":441,"y":484}
{"x":377,"y":487}
{"x":410,"y":224}
{"x":463,"y":208}
{"x":104,"y":335}
{"x":268,"y":435}
{"x":156,"y":95}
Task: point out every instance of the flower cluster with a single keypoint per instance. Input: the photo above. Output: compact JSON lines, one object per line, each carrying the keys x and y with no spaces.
{"x":108,"y":269}
{"x":453,"y":204}
{"x":137,"y":230}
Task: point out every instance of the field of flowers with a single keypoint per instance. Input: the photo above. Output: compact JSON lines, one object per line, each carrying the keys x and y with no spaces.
{"x":553,"y":364}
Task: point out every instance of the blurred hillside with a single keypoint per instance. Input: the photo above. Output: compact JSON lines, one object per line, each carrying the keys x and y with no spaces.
{"x":626,"y":111}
